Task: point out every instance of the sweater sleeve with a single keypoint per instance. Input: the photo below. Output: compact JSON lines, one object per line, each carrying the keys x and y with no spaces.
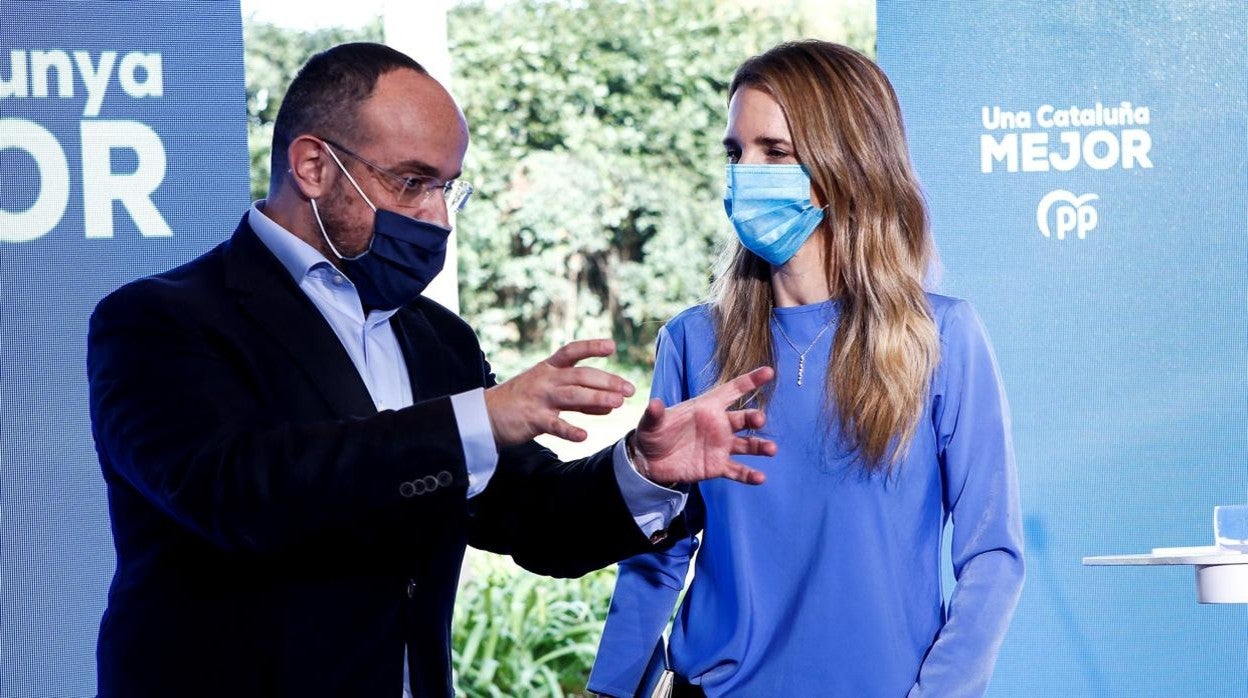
{"x":972,"y":424}
{"x":648,"y":585}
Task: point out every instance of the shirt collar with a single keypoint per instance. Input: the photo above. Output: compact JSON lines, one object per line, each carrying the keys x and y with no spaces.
{"x":300,"y":258}
{"x":297,"y":256}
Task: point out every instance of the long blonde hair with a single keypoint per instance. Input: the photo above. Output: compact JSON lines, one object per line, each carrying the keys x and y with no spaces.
{"x":846,"y":127}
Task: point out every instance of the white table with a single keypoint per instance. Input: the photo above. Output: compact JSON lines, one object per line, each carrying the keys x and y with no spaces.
{"x":1221,"y":574}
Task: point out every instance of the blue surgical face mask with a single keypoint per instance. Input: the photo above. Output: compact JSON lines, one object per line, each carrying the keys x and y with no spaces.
{"x":770,"y":208}
{"x":402,"y":258}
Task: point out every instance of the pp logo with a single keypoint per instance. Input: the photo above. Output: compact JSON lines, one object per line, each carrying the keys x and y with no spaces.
{"x":1070,"y":213}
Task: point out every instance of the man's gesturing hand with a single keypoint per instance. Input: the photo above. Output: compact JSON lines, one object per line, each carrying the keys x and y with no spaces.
{"x":695,"y":440}
{"x":530,"y":403}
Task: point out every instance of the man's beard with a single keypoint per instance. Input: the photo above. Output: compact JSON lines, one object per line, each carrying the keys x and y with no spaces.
{"x":333,"y":207}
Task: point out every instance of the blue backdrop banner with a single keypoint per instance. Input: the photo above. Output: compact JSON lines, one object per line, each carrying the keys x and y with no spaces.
{"x":122,"y":152}
{"x":1085,"y":165}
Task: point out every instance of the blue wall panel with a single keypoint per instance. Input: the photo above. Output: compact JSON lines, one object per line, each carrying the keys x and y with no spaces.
{"x":122,"y":152}
{"x":1124,"y":350}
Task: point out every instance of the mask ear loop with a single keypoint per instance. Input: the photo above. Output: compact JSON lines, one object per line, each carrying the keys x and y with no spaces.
{"x":317,"y":214}
{"x":351,"y":179}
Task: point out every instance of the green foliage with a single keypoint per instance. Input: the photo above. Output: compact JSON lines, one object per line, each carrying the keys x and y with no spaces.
{"x":273,"y":56}
{"x":596,"y":129}
{"x":517,"y":634}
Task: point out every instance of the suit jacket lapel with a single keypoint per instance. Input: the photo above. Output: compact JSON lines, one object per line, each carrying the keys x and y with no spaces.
{"x":266,"y":292}
{"x":422,"y":353}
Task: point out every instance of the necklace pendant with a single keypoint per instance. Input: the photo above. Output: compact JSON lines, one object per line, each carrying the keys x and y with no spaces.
{"x":801,"y":355}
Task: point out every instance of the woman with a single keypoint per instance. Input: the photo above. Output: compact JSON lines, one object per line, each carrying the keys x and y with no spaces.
{"x":887,"y":409}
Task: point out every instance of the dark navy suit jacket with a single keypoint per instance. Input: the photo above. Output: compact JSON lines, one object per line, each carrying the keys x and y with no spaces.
{"x":267,"y":544}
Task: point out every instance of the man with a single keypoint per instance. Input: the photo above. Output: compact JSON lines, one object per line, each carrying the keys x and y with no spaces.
{"x":298,"y":446}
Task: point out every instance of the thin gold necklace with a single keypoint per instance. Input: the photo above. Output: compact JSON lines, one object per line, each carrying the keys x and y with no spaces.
{"x":801,"y":355}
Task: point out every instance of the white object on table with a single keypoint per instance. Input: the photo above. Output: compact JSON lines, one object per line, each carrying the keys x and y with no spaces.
{"x":1230,"y":527}
{"x":1221,"y":574}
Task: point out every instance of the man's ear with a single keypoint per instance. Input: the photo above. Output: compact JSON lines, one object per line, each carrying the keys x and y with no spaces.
{"x":312,"y":172}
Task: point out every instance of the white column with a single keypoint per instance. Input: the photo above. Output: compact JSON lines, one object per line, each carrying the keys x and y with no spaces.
{"x":418,"y":28}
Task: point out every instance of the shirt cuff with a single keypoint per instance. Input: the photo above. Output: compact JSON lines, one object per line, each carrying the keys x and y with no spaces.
{"x":653,"y":507}
{"x":476,"y":437}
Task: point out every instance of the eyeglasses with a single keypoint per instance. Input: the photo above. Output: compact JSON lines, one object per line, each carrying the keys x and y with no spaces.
{"x":414,"y":191}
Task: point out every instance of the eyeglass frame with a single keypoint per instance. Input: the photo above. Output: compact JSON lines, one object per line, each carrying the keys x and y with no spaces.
{"x":451,"y":189}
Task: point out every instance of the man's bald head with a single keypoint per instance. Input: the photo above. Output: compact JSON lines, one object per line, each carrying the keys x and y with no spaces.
{"x":325,"y":95}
